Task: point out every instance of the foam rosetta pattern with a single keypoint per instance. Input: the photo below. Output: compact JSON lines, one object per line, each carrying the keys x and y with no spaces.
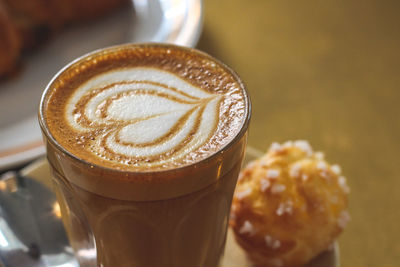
{"x":142,"y":116}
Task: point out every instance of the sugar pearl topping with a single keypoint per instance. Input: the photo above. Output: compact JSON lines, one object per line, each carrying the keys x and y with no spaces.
{"x":272,"y":173}
{"x":285,"y":208}
{"x":243,"y":194}
{"x":264,"y":184}
{"x":343,"y":219}
{"x":278,"y":188}
{"x":272,"y":242}
{"x":247,"y":228}
{"x":295,"y":170}
{"x":336,"y":169}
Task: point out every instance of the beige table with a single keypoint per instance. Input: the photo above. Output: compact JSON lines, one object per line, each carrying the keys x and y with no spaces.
{"x":329,"y":72}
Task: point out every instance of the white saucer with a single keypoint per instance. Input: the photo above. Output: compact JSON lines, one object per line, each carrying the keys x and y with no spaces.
{"x":234,"y":256}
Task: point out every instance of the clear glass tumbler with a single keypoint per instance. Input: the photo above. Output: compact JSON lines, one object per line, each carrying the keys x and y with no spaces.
{"x":174,"y":218}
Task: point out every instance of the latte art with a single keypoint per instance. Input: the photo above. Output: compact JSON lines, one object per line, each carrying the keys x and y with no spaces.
{"x":145,"y":108}
{"x":143,"y":116}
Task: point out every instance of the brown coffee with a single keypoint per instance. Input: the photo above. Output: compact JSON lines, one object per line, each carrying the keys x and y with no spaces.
{"x":145,"y":143}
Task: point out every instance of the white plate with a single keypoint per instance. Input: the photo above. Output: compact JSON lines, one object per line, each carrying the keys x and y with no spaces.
{"x":234,"y":256}
{"x":170,"y":21}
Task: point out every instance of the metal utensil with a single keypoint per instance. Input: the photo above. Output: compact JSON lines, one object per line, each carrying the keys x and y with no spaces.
{"x":31,"y":230}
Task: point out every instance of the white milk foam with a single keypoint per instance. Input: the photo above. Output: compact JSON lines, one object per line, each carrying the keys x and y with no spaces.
{"x":140,"y":113}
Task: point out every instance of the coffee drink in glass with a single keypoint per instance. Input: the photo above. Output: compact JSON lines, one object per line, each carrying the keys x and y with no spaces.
{"x":145,"y":143}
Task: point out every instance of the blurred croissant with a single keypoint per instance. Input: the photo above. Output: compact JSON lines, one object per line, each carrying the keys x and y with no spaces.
{"x":24,"y":24}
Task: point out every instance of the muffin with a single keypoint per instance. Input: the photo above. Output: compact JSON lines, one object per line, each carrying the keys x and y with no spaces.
{"x":289,"y":206}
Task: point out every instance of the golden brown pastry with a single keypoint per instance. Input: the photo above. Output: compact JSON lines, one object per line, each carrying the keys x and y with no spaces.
{"x":289,"y":206}
{"x":25,"y":24}
{"x":10,"y":45}
{"x":35,"y":20}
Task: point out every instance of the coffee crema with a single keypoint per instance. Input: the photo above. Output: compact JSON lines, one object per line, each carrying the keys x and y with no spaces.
{"x":145,"y":108}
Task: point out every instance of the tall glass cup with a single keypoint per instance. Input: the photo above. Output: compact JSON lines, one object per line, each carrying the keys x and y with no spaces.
{"x":176,"y":217}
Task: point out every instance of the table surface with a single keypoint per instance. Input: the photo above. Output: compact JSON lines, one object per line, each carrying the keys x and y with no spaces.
{"x":325,"y":71}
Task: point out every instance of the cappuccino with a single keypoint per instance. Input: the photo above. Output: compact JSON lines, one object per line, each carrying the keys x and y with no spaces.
{"x":147,"y":110}
{"x":145,"y":143}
